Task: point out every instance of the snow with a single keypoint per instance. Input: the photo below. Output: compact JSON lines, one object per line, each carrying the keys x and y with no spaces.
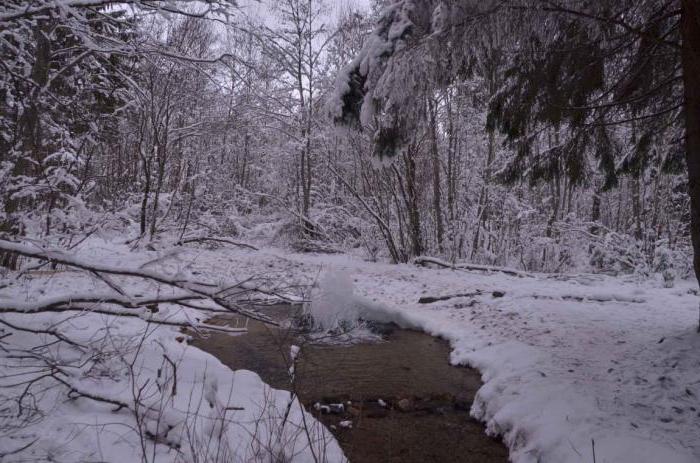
{"x":572,"y":365}
{"x":389,"y":37}
{"x":347,"y":424}
{"x":215,"y":414}
{"x":569,"y":363}
{"x":207,"y":412}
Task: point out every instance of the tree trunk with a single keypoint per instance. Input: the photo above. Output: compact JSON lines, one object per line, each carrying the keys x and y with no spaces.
{"x":595,"y":212}
{"x":146,"y":192}
{"x":411,"y":200}
{"x":437,"y":208}
{"x":31,"y":142}
{"x":483,"y":209}
{"x":690,"y":34}
{"x":156,"y":197}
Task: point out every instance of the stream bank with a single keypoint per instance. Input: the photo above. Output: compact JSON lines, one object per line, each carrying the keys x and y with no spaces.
{"x":389,"y":401}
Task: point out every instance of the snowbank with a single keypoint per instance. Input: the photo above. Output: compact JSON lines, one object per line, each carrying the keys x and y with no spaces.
{"x":129,"y":390}
{"x":571,"y":367}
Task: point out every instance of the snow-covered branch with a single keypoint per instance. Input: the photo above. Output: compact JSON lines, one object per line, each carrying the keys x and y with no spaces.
{"x":190,"y":289}
{"x":424,"y":260}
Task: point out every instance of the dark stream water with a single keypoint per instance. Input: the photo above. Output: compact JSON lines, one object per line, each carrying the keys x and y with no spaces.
{"x":425,"y":412}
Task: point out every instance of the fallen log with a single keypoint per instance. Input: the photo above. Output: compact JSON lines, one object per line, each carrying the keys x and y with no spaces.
{"x":216,"y":240}
{"x":431,"y":299}
{"x":424,"y":261}
{"x":478,"y":292}
{"x":192,"y":289}
{"x":592,"y":298}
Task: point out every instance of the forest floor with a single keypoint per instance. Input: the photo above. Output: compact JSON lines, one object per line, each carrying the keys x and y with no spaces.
{"x":576,"y":368}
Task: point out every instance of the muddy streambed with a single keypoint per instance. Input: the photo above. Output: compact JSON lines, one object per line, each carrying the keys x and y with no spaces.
{"x":423,"y":414}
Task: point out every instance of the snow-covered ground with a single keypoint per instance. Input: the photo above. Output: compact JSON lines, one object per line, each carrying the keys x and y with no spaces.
{"x":124,"y":390}
{"x":571,"y":366}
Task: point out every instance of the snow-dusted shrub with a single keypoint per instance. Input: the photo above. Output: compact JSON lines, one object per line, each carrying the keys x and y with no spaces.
{"x":329,"y":229}
{"x":672,"y":262}
{"x":230,"y":226}
{"x":535,"y":255}
{"x":618,"y":253}
{"x":339,"y":225}
{"x":286,"y":232}
{"x":663,"y":263}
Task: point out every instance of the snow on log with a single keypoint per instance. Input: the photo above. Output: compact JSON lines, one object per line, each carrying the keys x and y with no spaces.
{"x":215,"y":240}
{"x":425,"y":260}
{"x":431,"y":299}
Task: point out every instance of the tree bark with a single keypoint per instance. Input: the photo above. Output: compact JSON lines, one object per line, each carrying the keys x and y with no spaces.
{"x":411,"y":199}
{"x":31,"y":142}
{"x":595,"y":212}
{"x":483,"y":210}
{"x":690,"y":57}
{"x":146,"y":161}
{"x":437,"y":199}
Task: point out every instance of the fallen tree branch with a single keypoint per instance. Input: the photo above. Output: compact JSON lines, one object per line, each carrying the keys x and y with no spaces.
{"x":59,"y":302}
{"x":49,"y":332}
{"x":19,"y":449}
{"x":74,"y":393}
{"x":216,"y":240}
{"x":194,"y":289}
{"x":478,"y":292}
{"x":592,"y":298}
{"x":122,"y":313}
{"x":431,"y":299}
{"x":425,"y":260}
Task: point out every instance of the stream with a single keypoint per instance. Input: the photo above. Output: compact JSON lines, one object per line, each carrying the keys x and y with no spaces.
{"x":405,"y":401}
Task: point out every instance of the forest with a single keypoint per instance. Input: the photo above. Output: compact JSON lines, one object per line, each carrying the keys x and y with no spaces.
{"x":533,"y":164}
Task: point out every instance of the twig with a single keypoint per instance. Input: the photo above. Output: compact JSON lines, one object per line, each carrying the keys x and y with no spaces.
{"x":18,"y":450}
